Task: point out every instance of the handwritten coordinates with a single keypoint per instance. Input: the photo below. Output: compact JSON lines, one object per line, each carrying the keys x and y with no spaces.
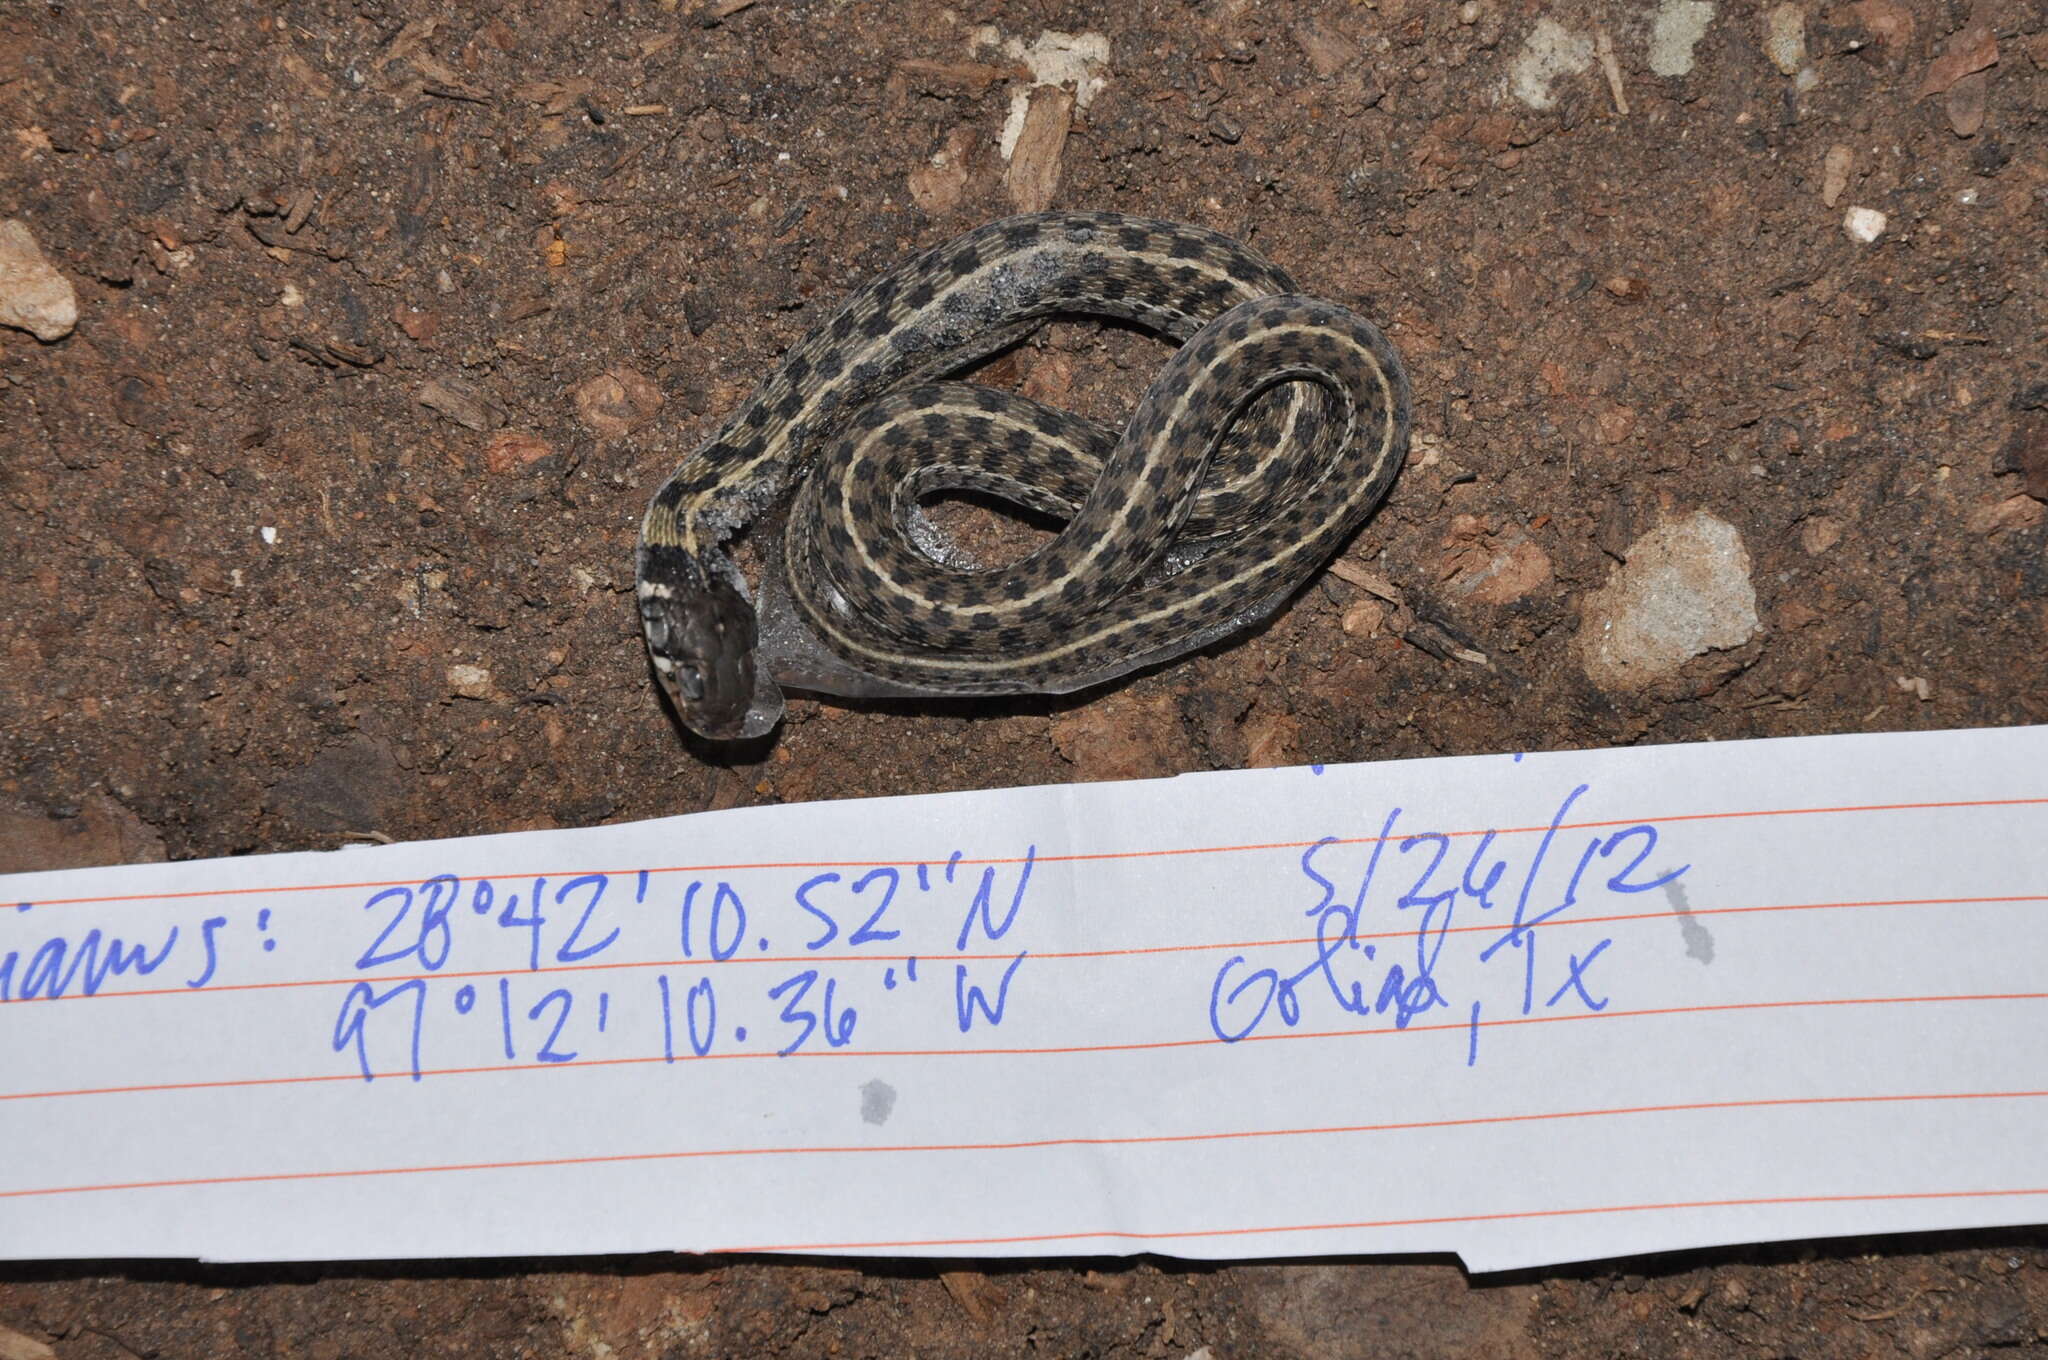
{"x":1408,"y":922}
{"x":757,"y":963}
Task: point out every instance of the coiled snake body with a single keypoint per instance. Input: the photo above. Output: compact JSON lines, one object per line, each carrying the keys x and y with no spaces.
{"x":1259,"y":448}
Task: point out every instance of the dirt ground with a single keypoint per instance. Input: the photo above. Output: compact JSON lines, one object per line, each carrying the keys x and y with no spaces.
{"x":392,"y":315}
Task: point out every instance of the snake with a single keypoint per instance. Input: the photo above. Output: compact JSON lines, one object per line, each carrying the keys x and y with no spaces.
{"x":1271,"y":433}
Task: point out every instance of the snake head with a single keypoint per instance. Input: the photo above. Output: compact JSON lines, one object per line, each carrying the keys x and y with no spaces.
{"x":700,"y":637}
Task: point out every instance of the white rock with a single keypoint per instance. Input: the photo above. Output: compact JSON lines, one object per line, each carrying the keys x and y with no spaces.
{"x":1685,"y":589}
{"x":1677,"y":29}
{"x":34,"y":297}
{"x":1864,"y":224}
{"x":1552,"y":52}
{"x":1074,"y":61}
{"x":1785,"y":38}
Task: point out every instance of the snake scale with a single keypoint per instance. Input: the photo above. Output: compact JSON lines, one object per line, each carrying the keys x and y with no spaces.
{"x":1268,"y":437}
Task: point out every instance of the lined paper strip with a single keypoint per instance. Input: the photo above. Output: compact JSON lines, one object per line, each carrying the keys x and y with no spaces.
{"x":1527,"y":1009}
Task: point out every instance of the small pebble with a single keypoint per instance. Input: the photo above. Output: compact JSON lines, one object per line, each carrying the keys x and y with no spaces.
{"x":616,"y":401}
{"x":513,"y":450}
{"x":268,"y":533}
{"x":1820,"y":533}
{"x":1364,"y":619}
{"x":469,"y":681}
{"x":1328,"y":51}
{"x":1225,"y":129}
{"x":1865,"y":224}
{"x":34,"y":297}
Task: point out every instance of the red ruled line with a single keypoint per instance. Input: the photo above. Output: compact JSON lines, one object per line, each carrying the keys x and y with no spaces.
{"x":1131,"y":1140}
{"x":1171,"y":852}
{"x":1440,"y":1220}
{"x":1134,"y":951}
{"x":403,"y":1074}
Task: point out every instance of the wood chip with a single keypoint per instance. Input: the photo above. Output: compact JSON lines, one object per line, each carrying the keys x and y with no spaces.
{"x":299,"y":209}
{"x":1604,"y":46}
{"x":309,"y":78}
{"x":1034,"y":173}
{"x":405,"y":42}
{"x":355,"y":356}
{"x":461,"y":403}
{"x":714,"y":14}
{"x":556,"y":97}
{"x":966,"y":1287}
{"x":460,"y":93}
{"x":1834,"y":173}
{"x":1350,"y":571}
{"x":973,"y":76}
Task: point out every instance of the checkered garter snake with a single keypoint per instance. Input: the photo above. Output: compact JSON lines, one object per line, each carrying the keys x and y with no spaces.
{"x":1264,"y":442}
